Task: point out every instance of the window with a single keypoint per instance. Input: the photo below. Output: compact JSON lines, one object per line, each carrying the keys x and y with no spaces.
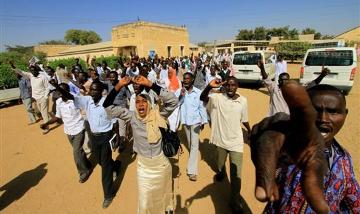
{"x":246,"y":58}
{"x":181,"y":50}
{"x":330,"y":58}
{"x":169,"y":51}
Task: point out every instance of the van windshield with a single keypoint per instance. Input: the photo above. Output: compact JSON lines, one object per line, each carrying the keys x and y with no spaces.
{"x":330,"y":58}
{"x":246,"y":58}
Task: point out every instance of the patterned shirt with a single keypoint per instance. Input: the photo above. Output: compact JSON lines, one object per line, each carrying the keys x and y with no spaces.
{"x":341,"y":190}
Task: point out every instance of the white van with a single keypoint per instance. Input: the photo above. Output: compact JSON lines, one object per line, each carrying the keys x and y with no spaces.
{"x":245,"y":65}
{"x":341,"y":61}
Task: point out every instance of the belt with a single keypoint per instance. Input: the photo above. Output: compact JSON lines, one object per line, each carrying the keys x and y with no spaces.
{"x":101,"y":133}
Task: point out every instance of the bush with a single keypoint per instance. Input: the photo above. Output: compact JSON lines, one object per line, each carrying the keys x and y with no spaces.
{"x":7,"y":76}
{"x":293,"y":50}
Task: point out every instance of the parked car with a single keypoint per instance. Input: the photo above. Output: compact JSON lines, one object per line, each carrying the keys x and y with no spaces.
{"x":9,"y":94}
{"x":341,"y":61}
{"x":245,"y":65}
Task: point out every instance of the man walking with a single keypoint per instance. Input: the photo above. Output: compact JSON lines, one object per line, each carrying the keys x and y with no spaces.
{"x":25,"y":95}
{"x":227,"y":112}
{"x":193,"y":117}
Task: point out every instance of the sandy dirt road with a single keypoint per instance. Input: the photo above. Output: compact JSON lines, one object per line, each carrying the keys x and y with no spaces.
{"x":38,"y":175}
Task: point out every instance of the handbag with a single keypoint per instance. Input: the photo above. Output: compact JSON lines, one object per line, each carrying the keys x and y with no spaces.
{"x":170,"y":142}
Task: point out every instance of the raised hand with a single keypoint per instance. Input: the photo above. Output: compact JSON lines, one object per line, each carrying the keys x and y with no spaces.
{"x":300,"y":139}
{"x":141,"y":80}
{"x":216,"y":83}
{"x":123,"y":82}
{"x":324,"y":71}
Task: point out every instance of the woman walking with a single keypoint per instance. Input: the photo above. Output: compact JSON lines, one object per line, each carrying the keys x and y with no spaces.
{"x":153,"y":169}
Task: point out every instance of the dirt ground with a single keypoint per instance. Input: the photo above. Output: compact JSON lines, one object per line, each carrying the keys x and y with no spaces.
{"x":38,"y":175}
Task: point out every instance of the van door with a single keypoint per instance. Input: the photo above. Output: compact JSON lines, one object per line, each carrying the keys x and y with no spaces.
{"x":338,"y":61}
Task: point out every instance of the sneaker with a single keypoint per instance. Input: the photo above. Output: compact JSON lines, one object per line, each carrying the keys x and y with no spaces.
{"x":192,"y":177}
{"x":107,"y":202}
{"x":45,"y":131}
{"x":117,"y":169}
{"x":85,"y":176}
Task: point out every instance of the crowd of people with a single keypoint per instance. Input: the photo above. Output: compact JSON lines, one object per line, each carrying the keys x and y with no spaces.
{"x":298,"y":162}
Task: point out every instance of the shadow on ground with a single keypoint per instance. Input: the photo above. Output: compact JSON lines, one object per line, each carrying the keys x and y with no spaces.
{"x":17,"y":187}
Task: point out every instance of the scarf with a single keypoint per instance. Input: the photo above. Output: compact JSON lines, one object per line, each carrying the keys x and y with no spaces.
{"x":153,"y":121}
{"x":173,"y":80}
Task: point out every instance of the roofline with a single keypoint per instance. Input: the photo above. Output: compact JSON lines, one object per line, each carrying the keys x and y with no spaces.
{"x":347,"y":31}
{"x":151,"y":23}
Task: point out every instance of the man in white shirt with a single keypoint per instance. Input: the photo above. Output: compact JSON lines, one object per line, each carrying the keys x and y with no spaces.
{"x":39,"y":89}
{"x":227,"y":112}
{"x":75,"y":131}
{"x":280,"y":67}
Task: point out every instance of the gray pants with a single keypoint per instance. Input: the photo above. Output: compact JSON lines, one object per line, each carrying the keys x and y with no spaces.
{"x":82,"y":163}
{"x":192,"y":136}
{"x":122,"y":127}
{"x":235,"y":169}
{"x":28,"y":106}
{"x":42,"y":105}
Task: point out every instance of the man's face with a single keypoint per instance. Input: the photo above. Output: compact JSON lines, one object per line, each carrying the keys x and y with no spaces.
{"x":225,"y":65}
{"x":82,"y":78}
{"x":283,"y":79}
{"x":113,"y":79}
{"x":141,"y":105}
{"x":188,"y":81}
{"x":231,"y":86}
{"x":137,"y":88}
{"x":95,"y":92}
{"x":34,"y":71}
{"x":331,"y":113}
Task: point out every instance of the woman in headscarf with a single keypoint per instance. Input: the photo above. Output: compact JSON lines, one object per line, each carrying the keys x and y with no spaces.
{"x":153,"y":168}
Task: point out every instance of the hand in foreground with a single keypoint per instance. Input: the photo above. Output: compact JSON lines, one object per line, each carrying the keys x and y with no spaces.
{"x":300,"y":139}
{"x":216,"y":83}
{"x":141,"y":80}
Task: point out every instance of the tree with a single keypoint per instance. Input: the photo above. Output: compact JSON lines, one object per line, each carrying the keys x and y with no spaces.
{"x":317,"y":35}
{"x":260,"y":33}
{"x":245,"y":35}
{"x":293,"y":50}
{"x":54,"y":42}
{"x":81,"y":37}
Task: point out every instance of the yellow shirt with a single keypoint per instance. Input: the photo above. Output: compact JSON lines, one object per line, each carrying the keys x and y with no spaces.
{"x":226,"y":117}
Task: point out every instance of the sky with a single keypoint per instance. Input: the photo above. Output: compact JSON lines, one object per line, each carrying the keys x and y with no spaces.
{"x":30,"y":22}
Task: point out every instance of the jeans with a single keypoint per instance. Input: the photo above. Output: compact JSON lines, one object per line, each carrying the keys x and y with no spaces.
{"x":192,"y":136}
{"x":83,"y":165}
{"x":101,"y":150}
{"x":28,"y":105}
{"x":235,"y":169}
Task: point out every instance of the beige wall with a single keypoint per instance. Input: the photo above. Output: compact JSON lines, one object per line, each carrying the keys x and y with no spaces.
{"x":352,"y":35}
{"x":83,"y":55}
{"x":51,"y":50}
{"x":147,"y":36}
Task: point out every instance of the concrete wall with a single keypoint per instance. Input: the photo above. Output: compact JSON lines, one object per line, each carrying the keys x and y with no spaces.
{"x":351,"y":35}
{"x":51,"y":50}
{"x":147,"y":36}
{"x":82,"y":55}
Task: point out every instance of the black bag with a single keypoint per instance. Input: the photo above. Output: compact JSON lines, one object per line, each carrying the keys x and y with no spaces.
{"x":170,"y":142}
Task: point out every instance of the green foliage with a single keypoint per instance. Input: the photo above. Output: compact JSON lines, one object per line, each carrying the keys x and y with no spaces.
{"x":54,"y":42}
{"x":81,"y":37}
{"x":262,"y":33}
{"x":293,"y":50}
{"x":21,"y":60}
{"x":7,"y":76}
{"x":67,"y":62}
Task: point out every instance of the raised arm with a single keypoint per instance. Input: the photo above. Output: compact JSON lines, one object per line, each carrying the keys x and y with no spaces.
{"x":67,"y":94}
{"x":216,"y":83}
{"x":260,"y":64}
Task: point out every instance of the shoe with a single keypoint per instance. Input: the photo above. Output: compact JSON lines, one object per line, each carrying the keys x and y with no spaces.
{"x":192,"y":177}
{"x":116,"y":169}
{"x":85,"y":176}
{"x":107,"y":202}
{"x":45,"y":131}
{"x":219,"y":176}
